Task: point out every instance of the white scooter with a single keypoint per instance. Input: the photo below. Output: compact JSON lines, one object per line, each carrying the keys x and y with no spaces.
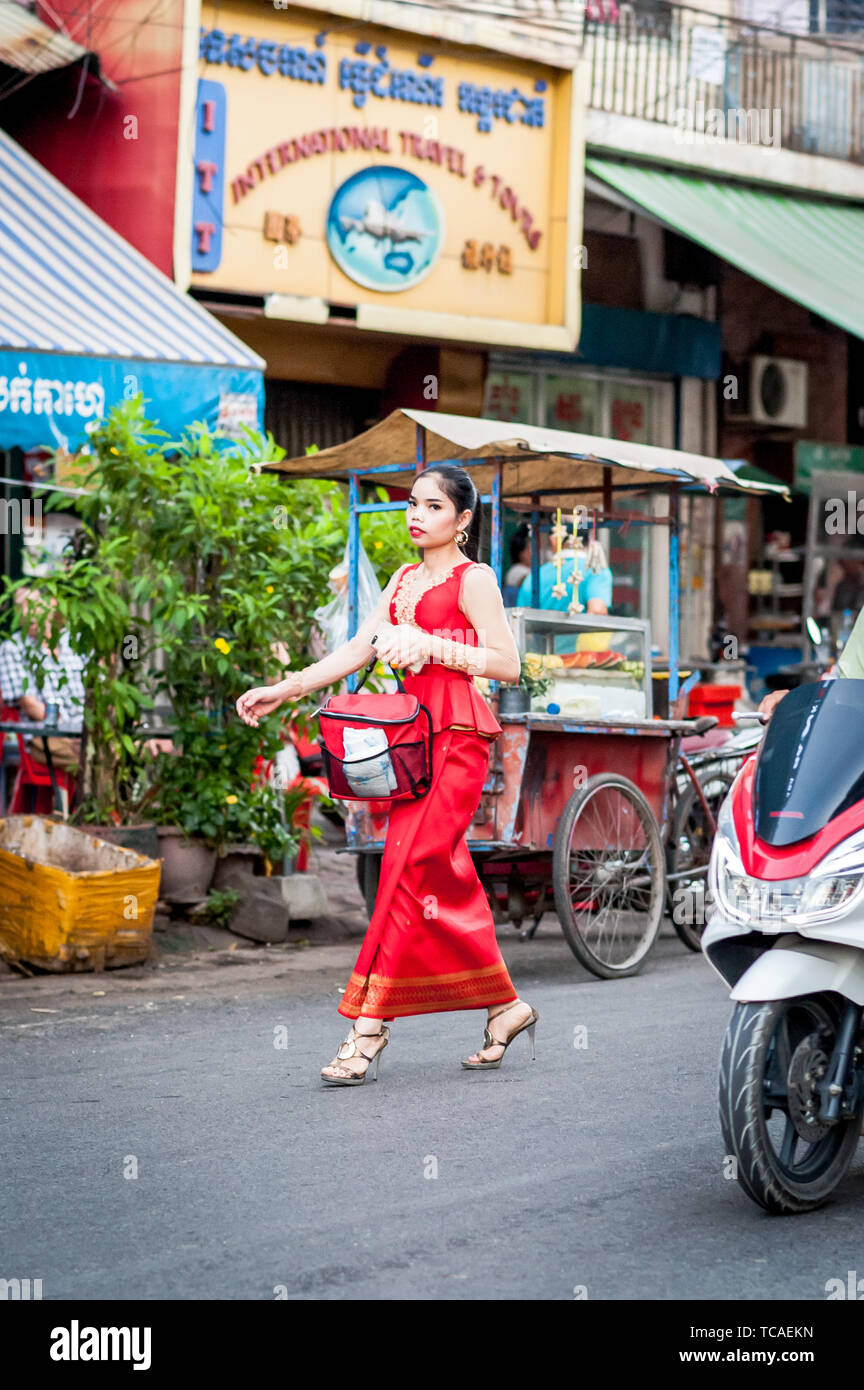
{"x":787,"y":933}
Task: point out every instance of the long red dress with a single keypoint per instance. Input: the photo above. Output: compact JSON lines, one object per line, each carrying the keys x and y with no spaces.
{"x":430,"y":945}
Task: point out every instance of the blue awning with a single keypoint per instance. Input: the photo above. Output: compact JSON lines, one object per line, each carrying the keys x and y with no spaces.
{"x":86,"y":319}
{"x":675,"y":344}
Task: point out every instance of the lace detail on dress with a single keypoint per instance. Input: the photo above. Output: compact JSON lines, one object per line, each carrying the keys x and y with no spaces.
{"x":409,"y":594}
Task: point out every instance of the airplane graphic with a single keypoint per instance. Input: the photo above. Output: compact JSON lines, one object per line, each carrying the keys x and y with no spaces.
{"x":383,"y":225}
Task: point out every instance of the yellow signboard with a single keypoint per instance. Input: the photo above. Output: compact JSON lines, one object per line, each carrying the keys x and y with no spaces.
{"x":345,"y":169}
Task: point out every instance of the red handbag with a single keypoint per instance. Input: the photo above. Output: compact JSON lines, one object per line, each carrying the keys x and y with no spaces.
{"x":376,"y":747}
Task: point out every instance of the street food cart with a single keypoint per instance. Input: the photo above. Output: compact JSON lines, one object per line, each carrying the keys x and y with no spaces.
{"x":576,"y":808}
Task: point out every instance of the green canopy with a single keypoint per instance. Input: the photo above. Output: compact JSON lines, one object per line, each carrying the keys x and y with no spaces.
{"x":809,"y":249}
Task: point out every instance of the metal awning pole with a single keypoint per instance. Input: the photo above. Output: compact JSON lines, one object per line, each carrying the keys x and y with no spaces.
{"x":419,"y":449}
{"x":497,"y":523}
{"x":353,"y":563}
{"x":535,"y":555}
{"x":674,"y":608}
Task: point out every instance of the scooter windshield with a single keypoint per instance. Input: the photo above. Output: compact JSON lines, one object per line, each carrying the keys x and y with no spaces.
{"x":811,"y":763}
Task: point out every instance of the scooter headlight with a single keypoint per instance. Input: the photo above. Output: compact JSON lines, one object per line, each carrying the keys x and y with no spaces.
{"x":828,"y":896}
{"x":730,"y":885}
{"x":726,"y":826}
{"x":830,"y":891}
{"x":835,"y":885}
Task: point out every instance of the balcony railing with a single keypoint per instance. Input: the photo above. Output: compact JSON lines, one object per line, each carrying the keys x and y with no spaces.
{"x":718,"y":77}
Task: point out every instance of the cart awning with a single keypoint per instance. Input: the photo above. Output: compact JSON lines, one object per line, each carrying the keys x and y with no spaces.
{"x":85,"y":320}
{"x":808,"y":249}
{"x":535,"y":459}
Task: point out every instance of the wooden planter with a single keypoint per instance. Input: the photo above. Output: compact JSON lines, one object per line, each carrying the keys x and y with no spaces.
{"x":70,"y":901}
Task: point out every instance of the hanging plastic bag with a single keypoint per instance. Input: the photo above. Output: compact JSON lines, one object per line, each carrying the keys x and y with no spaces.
{"x":332,"y":618}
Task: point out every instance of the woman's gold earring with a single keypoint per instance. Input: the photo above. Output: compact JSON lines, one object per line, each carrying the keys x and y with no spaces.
{"x":461,"y":537}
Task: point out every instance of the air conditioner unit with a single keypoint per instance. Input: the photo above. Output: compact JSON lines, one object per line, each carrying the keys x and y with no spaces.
{"x":770,"y":391}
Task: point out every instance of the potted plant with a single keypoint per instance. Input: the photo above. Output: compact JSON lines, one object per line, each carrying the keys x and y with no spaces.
{"x":190,"y":563}
{"x":534,"y":681}
{"x":209,"y":801}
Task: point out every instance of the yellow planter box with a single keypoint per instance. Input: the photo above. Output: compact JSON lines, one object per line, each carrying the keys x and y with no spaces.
{"x":69,"y":901}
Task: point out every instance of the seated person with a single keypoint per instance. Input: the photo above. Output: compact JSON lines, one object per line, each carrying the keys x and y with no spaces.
{"x":21,"y":687}
{"x":595,"y":595}
{"x":520,"y":565}
{"x":548,"y":580}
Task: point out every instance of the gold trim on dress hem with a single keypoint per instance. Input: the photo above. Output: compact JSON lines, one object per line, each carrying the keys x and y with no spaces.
{"x":358,"y":979}
{"x":377,"y":1000}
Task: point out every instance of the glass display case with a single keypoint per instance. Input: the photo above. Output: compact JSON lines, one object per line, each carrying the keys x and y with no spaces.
{"x":598,"y":667}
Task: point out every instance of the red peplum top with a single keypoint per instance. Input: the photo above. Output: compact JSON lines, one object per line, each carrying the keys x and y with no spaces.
{"x":450,"y":696}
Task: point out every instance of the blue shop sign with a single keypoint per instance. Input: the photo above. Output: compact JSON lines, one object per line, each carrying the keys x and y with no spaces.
{"x":209,"y":195}
{"x":50,"y":401}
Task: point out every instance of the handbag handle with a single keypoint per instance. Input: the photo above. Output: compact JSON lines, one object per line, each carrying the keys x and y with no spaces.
{"x":370,"y":668}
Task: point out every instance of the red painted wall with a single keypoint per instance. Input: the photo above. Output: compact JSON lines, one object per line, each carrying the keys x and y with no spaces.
{"x":117,"y":151}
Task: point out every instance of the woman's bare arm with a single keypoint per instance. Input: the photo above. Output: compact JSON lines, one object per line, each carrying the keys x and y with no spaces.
{"x":256,"y":704}
{"x":498,"y":656}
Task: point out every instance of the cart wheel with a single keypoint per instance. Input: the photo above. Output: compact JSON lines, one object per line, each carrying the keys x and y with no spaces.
{"x":368,"y":876}
{"x":609,"y":876}
{"x":689,"y":852}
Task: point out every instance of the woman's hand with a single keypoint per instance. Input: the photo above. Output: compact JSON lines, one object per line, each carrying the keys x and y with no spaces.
{"x":402,"y":645}
{"x":262,"y":700}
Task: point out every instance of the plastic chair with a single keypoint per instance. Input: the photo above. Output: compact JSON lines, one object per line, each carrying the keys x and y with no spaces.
{"x":33,"y":782}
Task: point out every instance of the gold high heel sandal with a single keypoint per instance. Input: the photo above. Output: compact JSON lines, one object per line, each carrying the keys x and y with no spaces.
{"x":357,"y":1078}
{"x":490,"y":1041}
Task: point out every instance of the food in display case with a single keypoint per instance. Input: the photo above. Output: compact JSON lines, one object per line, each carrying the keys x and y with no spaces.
{"x":589,"y":680}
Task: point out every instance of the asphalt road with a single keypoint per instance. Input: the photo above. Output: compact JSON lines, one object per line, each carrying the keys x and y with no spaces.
{"x":596,"y":1167}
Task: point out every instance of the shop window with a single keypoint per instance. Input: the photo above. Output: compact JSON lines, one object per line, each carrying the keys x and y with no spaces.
{"x":630,"y":413}
{"x":836,"y":16}
{"x":628,"y":552}
{"x":511,"y":396}
{"x":573,"y":403}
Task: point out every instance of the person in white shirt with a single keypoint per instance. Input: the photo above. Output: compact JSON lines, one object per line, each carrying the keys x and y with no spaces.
{"x":61,"y":683}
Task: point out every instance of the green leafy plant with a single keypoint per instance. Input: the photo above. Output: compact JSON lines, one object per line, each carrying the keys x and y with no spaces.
{"x":534,"y":678}
{"x":211,"y":790}
{"x":219,"y":907}
{"x":190,"y":562}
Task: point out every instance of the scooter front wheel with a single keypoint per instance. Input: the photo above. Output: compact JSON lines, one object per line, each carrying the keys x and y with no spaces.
{"x":774,"y":1055}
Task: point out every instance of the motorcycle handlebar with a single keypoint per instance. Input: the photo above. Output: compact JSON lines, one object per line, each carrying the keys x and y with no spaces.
{"x":745,"y":715}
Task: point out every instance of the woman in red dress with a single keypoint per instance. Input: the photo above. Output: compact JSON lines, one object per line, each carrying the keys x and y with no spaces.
{"x":430,"y":946}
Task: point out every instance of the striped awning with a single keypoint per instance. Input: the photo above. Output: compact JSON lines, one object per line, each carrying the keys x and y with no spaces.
{"x":69,"y":284}
{"x":31,"y":46}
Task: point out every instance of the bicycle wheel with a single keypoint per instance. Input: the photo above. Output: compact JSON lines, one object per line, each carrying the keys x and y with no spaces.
{"x":688,"y":854}
{"x":609,"y":876}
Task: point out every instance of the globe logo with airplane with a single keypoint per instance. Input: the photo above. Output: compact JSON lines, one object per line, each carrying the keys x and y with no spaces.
{"x":385,"y":228}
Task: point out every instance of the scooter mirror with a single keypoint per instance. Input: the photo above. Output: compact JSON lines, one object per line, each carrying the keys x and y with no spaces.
{"x":814,"y":631}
